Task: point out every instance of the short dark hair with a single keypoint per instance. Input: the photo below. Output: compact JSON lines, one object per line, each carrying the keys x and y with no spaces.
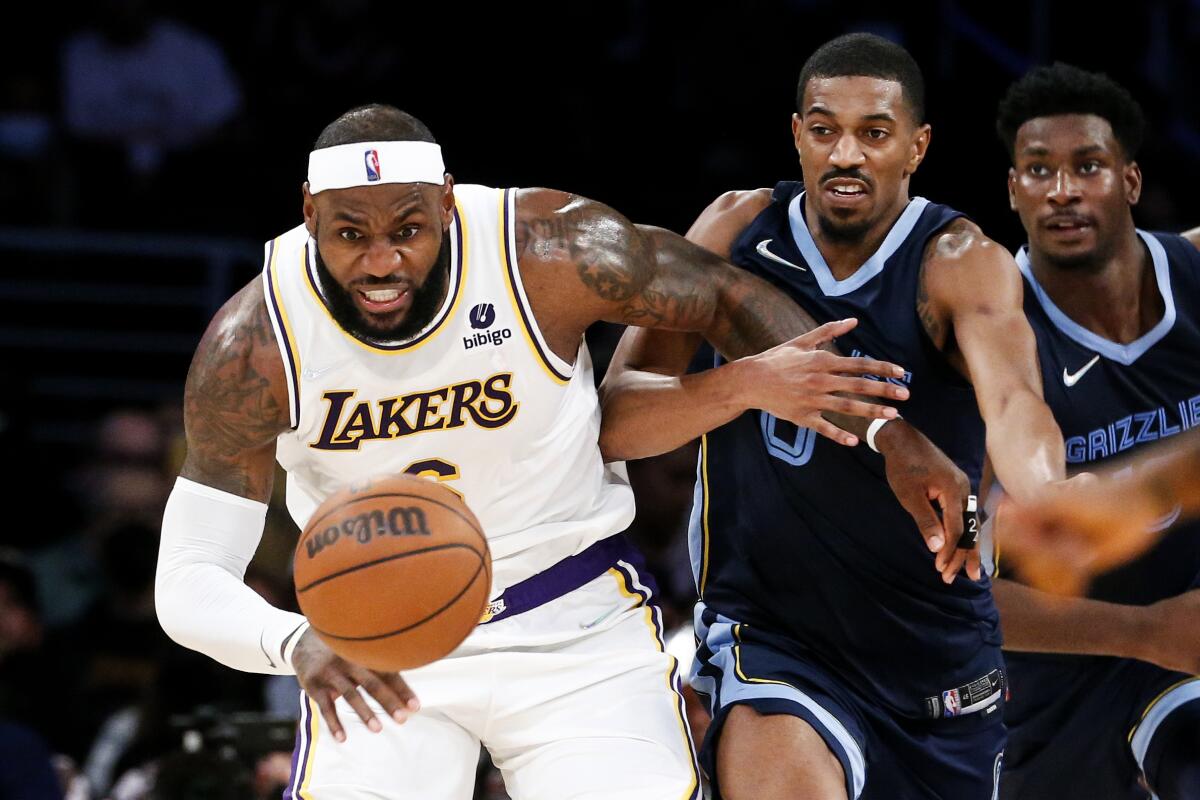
{"x":373,"y":123}
{"x":1066,"y":89}
{"x":867,"y":55}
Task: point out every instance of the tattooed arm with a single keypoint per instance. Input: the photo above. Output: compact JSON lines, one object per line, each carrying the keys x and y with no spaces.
{"x":235,"y":400}
{"x":970,"y":303}
{"x":235,"y":405}
{"x":583,"y":262}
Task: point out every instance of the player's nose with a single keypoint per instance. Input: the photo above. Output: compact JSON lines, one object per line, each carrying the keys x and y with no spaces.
{"x":1064,"y":189}
{"x":381,"y":258}
{"x":846,"y":152}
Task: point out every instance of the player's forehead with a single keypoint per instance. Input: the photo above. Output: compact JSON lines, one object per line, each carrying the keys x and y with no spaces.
{"x":1064,"y":135}
{"x":855,"y":97}
{"x":388,"y":200}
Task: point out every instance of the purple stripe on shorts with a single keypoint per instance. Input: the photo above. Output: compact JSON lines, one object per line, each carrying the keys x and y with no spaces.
{"x":300,"y":752}
{"x":565,"y":576}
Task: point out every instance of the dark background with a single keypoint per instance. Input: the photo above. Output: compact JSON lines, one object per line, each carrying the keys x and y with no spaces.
{"x":125,"y":221}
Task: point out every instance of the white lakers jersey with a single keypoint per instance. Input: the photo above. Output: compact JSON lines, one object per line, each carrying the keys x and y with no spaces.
{"x":476,"y":399}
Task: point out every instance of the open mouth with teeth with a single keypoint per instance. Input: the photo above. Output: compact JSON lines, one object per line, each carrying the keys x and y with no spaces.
{"x":383,"y":301}
{"x":846,"y":191}
{"x":1068,"y":224}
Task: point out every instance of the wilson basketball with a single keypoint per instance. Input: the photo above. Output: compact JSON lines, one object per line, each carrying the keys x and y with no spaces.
{"x":394,"y":574}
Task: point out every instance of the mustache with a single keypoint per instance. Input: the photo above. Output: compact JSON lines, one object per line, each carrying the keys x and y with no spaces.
{"x":395,"y":279}
{"x":852,"y":172}
{"x":1068,"y":216}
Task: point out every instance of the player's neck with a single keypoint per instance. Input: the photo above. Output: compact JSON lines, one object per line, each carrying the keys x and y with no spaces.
{"x":845,"y":257}
{"x":1116,"y":298}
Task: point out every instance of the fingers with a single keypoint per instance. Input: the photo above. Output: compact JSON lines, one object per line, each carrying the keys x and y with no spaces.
{"x":391,"y":692}
{"x":830,"y":431}
{"x":340,"y":686}
{"x":824,"y":334}
{"x":859,"y":367}
{"x":974,"y":564}
{"x":387,"y":689}
{"x":918,"y":507}
{"x":952,"y":502}
{"x":849,"y":384}
{"x":324,"y":700}
{"x":854,"y":408}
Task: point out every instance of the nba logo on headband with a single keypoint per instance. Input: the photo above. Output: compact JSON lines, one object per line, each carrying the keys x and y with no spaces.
{"x":371,"y":158}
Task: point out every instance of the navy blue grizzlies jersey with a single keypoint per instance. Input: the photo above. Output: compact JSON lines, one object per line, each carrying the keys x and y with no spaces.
{"x":803,"y":537}
{"x":1113,"y":399}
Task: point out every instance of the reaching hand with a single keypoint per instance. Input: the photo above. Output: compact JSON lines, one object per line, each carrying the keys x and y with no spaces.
{"x":922,"y":475}
{"x":1075,"y":530}
{"x":325,"y":677}
{"x":797,"y":381}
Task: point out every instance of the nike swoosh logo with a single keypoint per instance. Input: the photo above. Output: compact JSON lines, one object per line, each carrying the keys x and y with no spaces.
{"x":765,"y":253}
{"x":1072,"y":378}
{"x":313,"y":374}
{"x":599,"y":619}
{"x":262,"y":647}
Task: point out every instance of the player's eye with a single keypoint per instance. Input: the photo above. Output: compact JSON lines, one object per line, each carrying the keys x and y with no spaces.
{"x":408,"y":231}
{"x":821,"y":130}
{"x":1037,"y":170}
{"x":877,"y":133}
{"x":1088,"y":167}
{"x":349,"y":234}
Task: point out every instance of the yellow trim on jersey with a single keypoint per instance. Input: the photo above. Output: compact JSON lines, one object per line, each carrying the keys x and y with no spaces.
{"x":673,"y":665}
{"x":704,"y":511}
{"x":737,"y":662}
{"x":510,"y":271}
{"x":458,"y":288}
{"x":289,"y":333}
{"x":1154,"y":702}
{"x":314,"y":715}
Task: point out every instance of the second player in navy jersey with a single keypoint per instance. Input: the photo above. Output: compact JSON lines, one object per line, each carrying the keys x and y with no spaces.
{"x":1104,"y":699}
{"x":844,"y":652}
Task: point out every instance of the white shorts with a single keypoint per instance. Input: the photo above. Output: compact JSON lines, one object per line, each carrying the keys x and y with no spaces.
{"x":588,"y":708}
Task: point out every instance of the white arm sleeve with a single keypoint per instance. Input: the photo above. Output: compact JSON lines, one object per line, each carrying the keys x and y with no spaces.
{"x":202,"y":600}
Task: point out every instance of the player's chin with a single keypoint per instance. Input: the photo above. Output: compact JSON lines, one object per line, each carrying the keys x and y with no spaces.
{"x":383,"y":325}
{"x":1069,"y":251}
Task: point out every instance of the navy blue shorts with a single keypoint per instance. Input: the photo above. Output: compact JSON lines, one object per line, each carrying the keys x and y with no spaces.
{"x":884,"y":756}
{"x":1080,"y":728}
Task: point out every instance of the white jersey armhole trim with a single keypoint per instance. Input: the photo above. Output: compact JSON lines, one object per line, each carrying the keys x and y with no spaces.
{"x":289,"y":354}
{"x":559,"y":370}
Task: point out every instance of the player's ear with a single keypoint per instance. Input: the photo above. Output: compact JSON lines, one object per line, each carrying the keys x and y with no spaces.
{"x":310,"y":210}
{"x":447,"y":201}
{"x":920,"y":144}
{"x":796,"y":123}
{"x":1012,"y":188}
{"x":1132,"y":178}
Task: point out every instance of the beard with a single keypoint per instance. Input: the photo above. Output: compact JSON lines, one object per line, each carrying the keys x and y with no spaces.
{"x":842,"y":232}
{"x":426,"y":300}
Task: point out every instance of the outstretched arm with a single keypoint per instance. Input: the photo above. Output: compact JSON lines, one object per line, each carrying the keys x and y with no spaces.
{"x":1163,"y":633}
{"x":970,"y":302}
{"x":1067,"y":534}
{"x":776,"y":352}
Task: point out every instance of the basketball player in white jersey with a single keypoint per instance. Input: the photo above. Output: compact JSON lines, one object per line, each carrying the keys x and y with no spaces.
{"x":411,"y":325}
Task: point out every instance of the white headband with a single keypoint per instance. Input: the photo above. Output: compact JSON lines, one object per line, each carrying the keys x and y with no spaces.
{"x":371,"y":163}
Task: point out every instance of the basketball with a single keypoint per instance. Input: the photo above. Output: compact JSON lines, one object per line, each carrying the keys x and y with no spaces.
{"x":393,"y":574}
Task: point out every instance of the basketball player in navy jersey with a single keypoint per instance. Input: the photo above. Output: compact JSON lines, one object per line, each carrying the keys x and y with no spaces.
{"x":1103,"y":688}
{"x":839,"y":662}
{"x":380,"y":296}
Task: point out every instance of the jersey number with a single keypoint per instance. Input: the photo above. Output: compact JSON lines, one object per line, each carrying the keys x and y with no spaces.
{"x":787,"y":441}
{"x":436,"y":468}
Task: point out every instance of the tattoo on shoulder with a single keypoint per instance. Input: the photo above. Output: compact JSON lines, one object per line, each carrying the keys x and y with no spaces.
{"x":621,"y":263}
{"x":587,"y":234}
{"x":235,"y":400}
